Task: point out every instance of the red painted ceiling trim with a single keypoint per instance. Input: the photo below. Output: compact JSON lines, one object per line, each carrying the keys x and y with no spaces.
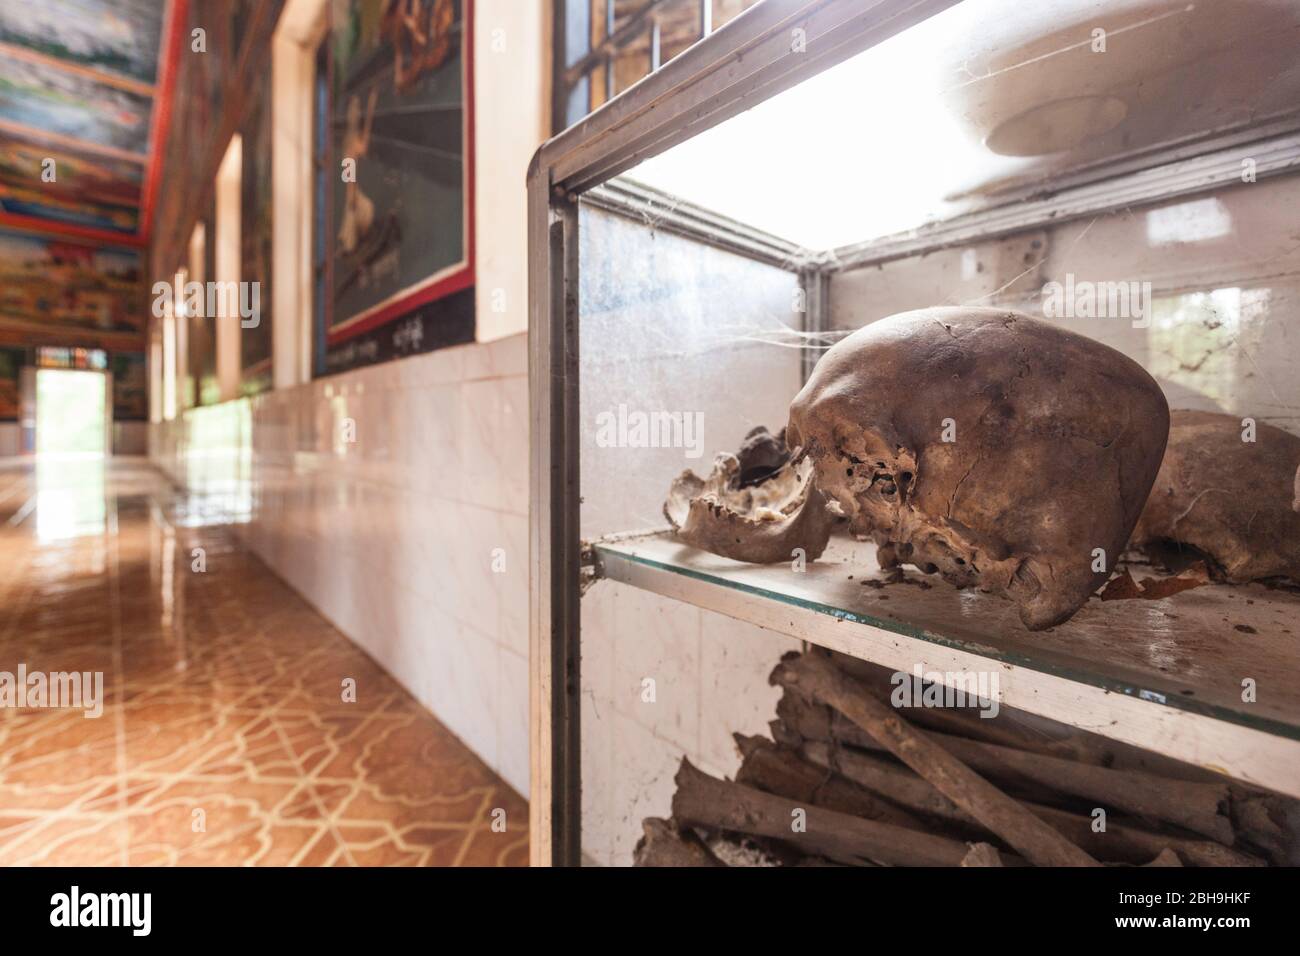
{"x":174,"y":31}
{"x":108,"y":237}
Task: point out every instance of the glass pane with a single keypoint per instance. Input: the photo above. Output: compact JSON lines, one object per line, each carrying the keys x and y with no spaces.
{"x":1170,"y":652}
{"x":981,"y":108}
{"x":673,"y":332}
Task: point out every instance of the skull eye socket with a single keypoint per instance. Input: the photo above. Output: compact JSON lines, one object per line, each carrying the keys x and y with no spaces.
{"x":884,"y":482}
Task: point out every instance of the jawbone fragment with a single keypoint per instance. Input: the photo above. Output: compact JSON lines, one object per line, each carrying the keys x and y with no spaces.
{"x":761,"y":523}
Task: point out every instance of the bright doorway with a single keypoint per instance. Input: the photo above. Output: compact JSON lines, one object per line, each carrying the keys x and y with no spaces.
{"x":71,"y":412}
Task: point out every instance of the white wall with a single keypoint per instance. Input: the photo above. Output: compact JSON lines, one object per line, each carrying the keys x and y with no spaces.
{"x":511,"y":119}
{"x":393,"y":537}
{"x":128,"y":438}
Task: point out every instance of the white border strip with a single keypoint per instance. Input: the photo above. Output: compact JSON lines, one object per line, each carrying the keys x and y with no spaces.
{"x":1244,"y":753}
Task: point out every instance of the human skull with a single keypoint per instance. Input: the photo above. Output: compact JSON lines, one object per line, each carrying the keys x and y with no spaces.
{"x":998,"y":450}
{"x":757,"y":506}
{"x":1224,"y":498}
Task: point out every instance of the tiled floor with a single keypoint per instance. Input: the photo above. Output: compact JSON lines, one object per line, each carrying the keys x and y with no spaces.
{"x":225,"y":737}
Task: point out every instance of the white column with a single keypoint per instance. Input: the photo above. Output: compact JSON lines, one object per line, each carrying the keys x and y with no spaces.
{"x":229,"y":176}
{"x":511,"y":53}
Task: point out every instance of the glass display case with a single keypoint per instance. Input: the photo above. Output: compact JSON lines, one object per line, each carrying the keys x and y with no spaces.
{"x":1125,"y":170}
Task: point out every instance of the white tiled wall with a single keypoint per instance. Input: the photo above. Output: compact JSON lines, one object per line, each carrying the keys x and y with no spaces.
{"x":710,"y":675}
{"x":393,"y":536}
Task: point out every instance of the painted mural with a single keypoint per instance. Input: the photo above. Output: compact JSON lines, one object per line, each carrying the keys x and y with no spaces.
{"x":200,"y":127}
{"x":79,"y":84}
{"x":130,"y":386}
{"x":401,"y":211}
{"x":39,"y":96}
{"x":82,"y":189}
{"x":11,"y":361}
{"x":217,"y":94}
{"x":113,"y":36}
{"x":60,"y":292}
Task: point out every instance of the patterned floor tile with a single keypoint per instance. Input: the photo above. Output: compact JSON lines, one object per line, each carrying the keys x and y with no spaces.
{"x":224,"y":737}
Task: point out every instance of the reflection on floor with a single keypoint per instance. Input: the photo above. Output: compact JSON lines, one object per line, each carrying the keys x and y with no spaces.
{"x":225,"y":738}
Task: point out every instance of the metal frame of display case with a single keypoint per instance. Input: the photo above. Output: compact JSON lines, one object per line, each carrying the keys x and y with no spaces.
{"x":747,"y":61}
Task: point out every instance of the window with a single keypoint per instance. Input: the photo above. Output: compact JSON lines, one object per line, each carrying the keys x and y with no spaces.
{"x":604,"y":46}
{"x":74,"y":358}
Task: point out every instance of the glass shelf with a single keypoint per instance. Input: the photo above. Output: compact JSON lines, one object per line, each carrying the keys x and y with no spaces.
{"x":1187,"y":655}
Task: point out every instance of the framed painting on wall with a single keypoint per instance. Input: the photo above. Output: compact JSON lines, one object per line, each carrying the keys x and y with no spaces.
{"x":91,"y":190}
{"x":11,"y":361}
{"x":396,"y":181}
{"x":130,"y":387}
{"x":63,"y":292}
{"x":256,"y":211}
